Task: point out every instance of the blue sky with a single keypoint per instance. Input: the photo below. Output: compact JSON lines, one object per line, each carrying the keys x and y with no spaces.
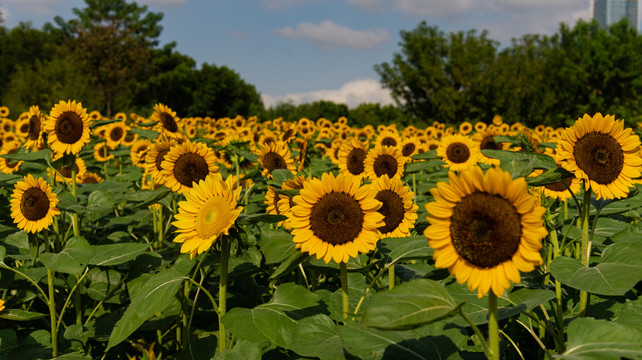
{"x":306,"y":50}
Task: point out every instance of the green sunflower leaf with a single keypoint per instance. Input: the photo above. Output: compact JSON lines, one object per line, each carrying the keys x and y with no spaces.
{"x":40,"y":156}
{"x":538,"y":161}
{"x":276,"y":321}
{"x":99,"y":123}
{"x":153,"y":297}
{"x":20,"y":315}
{"x":72,"y":259}
{"x":318,"y":337}
{"x":606,"y":278}
{"x":416,"y":303}
{"x":422,"y":165}
{"x":428,"y":155}
{"x":549,"y":177}
{"x":601,"y":339}
{"x":146,"y":134}
{"x":257,"y":218}
{"x":115,"y":254}
{"x":282,"y":175}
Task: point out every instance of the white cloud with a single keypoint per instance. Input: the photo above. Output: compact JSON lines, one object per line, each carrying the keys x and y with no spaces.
{"x":330,"y":35}
{"x":434,"y":8}
{"x":369,"y":5}
{"x":351,"y":93}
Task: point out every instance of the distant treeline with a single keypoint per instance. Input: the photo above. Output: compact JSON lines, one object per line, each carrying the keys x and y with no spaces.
{"x":108,"y":56}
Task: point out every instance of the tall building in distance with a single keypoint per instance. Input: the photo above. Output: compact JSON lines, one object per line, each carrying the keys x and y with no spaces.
{"x":607,"y":12}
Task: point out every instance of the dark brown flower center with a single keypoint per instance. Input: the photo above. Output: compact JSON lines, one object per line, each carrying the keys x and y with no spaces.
{"x":160,"y":157}
{"x":168,"y":122}
{"x":34,"y":127}
{"x":273,"y":161}
{"x":392,"y":209}
{"x":457,"y":152}
{"x":89,"y":179}
{"x":389,"y":141}
{"x":190,"y":167}
{"x":600,"y":156}
{"x":408,"y":149}
{"x":336,"y":218}
{"x":34,"y":204}
{"x":485,"y":229}
{"x":69,"y":127}
{"x":385,"y":165}
{"x":103,"y":150}
{"x":355,"y":160}
{"x":116,"y":133}
{"x":66,"y":170}
{"x":488,"y":142}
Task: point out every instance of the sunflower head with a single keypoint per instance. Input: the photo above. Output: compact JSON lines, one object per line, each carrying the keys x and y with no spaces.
{"x":600,"y":151}
{"x":33,"y":204}
{"x":186,"y":164}
{"x":335,"y":218}
{"x":485,"y":228}
{"x":397,"y":207}
{"x":275,"y":155}
{"x":384,"y":160}
{"x":208,"y":212}
{"x":352,"y":157}
{"x":67,"y":127}
{"x":167,"y":123}
{"x":459,"y":152}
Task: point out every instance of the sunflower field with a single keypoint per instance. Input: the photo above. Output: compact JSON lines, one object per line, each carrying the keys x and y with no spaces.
{"x":158,"y":237}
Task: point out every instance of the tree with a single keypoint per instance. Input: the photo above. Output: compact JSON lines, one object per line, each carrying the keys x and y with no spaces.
{"x":219,"y":91}
{"x":439,"y":76}
{"x":111,"y":41}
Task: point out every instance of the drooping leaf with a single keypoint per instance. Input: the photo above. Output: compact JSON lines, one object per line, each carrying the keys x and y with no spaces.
{"x":115,"y":254}
{"x":72,"y":259}
{"x":318,"y":337}
{"x":275,"y":321}
{"x":411,"y":247}
{"x":276,"y":245}
{"x":549,"y":177}
{"x":416,"y":303}
{"x":530,"y":297}
{"x":612,"y":279}
{"x":590,"y":339}
{"x":20,"y":315}
{"x":153,"y":297}
{"x":40,"y":156}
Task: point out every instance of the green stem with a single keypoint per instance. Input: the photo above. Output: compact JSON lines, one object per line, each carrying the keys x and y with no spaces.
{"x":207,"y":293}
{"x":222,"y":291}
{"x":343,"y":272}
{"x":493,"y":326}
{"x":391,"y":277}
{"x":51,"y":303}
{"x":585,"y":248}
{"x":558,"y":285}
{"x":74,"y":216}
{"x":477,"y":332}
{"x":72,"y":292}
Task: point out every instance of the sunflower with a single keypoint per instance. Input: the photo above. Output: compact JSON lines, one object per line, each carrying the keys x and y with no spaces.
{"x":155,"y":157}
{"x":115,"y":134}
{"x":352,"y":156}
{"x":186,"y":164}
{"x":465,"y":128}
{"x":102,"y":152}
{"x":167,"y":122}
{"x":67,"y":127}
{"x":410,"y":146}
{"x":397,"y":207}
{"x":95,"y":115}
{"x":8,"y":166}
{"x":1,"y":304}
{"x":274,"y":156}
{"x":384,"y":160}
{"x":90,"y":178}
{"x":271,"y":200}
{"x":22,"y":128}
{"x":208,"y":211}
{"x":559,"y":190}
{"x":35,"y":139}
{"x":486,"y":140}
{"x":485,"y":228}
{"x":4,"y":111}
{"x":480,"y":126}
{"x":66,"y":170}
{"x":33,"y":204}
{"x":388,"y":138}
{"x":138,"y":151}
{"x":459,"y":152}
{"x":129,"y":138}
{"x":285,"y":203}
{"x":601,"y":152}
{"x":336,"y":218}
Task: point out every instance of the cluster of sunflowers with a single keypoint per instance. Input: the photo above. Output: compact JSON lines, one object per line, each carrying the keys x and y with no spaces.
{"x":485,"y":226}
